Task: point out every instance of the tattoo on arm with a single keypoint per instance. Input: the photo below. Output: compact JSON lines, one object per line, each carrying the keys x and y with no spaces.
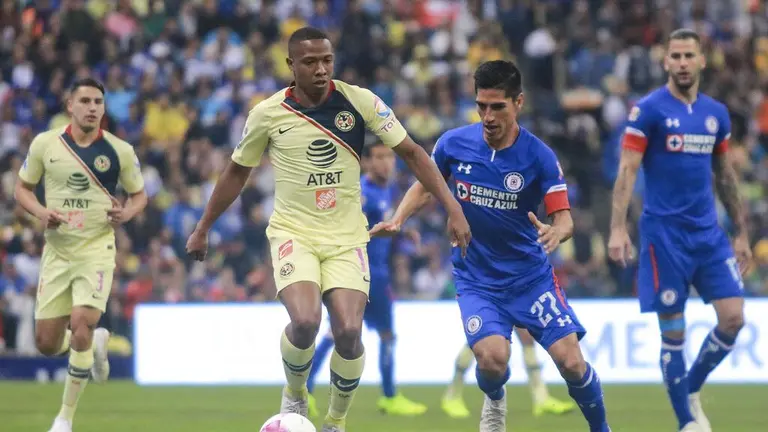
{"x":727,"y":186}
{"x":624,"y":186}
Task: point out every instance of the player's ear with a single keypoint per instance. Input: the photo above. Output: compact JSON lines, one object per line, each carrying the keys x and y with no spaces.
{"x":289,"y":62}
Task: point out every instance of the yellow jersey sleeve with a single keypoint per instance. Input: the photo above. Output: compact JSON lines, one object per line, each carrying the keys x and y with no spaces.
{"x":255,"y":137}
{"x":32,"y":170}
{"x":378,"y":117}
{"x":130,"y":171}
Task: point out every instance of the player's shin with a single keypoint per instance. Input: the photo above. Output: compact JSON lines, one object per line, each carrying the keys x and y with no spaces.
{"x":345,"y":378}
{"x":387,"y":366}
{"x":492,"y":384}
{"x":463,"y":362}
{"x":317,"y":362}
{"x":78,"y":373}
{"x":533,"y":368}
{"x":588,"y":393}
{"x":65,"y":343}
{"x":673,"y":370}
{"x":717,"y":345}
{"x":297,"y":363}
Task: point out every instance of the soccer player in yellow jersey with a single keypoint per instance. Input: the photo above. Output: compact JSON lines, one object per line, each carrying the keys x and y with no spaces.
{"x":315,"y":132}
{"x":82,"y":166}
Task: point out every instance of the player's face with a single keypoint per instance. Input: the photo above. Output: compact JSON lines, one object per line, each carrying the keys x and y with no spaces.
{"x":382,"y":162}
{"x":498,"y":112}
{"x":684,"y":62}
{"x":86,"y":105}
{"x":312,"y":65}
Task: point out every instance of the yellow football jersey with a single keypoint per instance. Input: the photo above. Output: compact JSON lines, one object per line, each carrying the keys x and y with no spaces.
{"x":80,"y":183}
{"x":316,"y":156}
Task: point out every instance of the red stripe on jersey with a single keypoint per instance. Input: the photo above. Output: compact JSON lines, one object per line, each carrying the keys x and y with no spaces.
{"x":321,"y":128}
{"x":722,"y":147}
{"x":558,"y":290}
{"x":556,"y":201}
{"x":634,"y":142}
{"x":654,"y":268}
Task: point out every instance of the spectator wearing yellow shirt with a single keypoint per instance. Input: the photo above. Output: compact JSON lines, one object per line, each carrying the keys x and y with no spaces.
{"x":165,"y":124}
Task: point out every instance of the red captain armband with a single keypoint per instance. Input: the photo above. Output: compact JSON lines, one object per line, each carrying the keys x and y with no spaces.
{"x":556,"y":200}
{"x":722,"y":147}
{"x":634,"y":140}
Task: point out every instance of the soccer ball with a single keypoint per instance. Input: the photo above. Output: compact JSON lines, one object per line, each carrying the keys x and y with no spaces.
{"x":288,"y":422}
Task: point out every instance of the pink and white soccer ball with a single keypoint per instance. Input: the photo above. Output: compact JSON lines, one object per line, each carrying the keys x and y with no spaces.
{"x":288,"y":422}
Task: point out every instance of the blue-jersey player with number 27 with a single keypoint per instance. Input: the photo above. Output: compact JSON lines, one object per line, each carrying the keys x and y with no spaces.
{"x":502,"y":173}
{"x":378,"y":197}
{"x":680,"y":137}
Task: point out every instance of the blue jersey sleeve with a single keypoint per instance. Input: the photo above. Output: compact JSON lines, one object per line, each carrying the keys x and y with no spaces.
{"x":723,"y":132}
{"x":639,"y":128}
{"x":553,"y":186}
{"x":440,"y":157}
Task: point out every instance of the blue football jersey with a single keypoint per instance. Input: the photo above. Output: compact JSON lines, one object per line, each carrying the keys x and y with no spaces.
{"x":378,"y":201}
{"x":496,"y":190}
{"x":677,"y":141}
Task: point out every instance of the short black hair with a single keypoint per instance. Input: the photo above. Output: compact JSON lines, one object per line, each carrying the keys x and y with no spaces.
{"x":86,"y":82}
{"x":368,"y":150}
{"x":499,"y":75}
{"x":684,"y":34}
{"x":305,"y":34}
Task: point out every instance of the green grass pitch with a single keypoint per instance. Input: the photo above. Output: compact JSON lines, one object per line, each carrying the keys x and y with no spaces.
{"x":126,"y":407}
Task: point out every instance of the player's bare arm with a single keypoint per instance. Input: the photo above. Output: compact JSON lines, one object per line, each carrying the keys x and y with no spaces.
{"x":727,"y":185}
{"x":227,"y":189}
{"x":619,"y":243}
{"x":415,"y":198}
{"x":120,"y":214}
{"x":551,"y":235}
{"x":24,"y":193}
{"x":432,"y":180}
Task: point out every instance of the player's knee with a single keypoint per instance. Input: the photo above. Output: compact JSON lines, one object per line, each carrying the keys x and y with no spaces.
{"x":82,"y":336}
{"x":47,"y":343}
{"x":570,"y":362}
{"x":347,"y":338}
{"x":305,"y":328}
{"x":492,"y":362}
{"x":732,"y":324}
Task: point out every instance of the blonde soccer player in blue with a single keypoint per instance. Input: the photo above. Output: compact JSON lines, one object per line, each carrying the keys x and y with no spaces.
{"x":82,"y":166}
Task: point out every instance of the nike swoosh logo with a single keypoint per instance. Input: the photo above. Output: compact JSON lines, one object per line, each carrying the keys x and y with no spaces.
{"x":366,"y":279}
{"x":52,"y":160}
{"x":282,"y":131}
{"x":97,"y":297}
{"x":351,"y":385}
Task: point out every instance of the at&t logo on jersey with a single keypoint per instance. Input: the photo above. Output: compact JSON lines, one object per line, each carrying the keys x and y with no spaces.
{"x":691,"y":143}
{"x":485,"y":197}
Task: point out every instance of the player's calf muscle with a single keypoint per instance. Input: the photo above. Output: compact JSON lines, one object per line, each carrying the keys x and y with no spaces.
{"x":730,"y":315}
{"x":49,"y":334}
{"x":566,"y":354}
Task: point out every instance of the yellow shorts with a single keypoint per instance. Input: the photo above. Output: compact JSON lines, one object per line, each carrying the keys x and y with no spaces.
{"x":65,"y":284}
{"x":295,"y":260}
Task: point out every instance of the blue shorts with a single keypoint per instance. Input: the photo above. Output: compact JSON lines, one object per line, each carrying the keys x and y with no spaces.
{"x":378,"y":311}
{"x":541,"y":308}
{"x":672,"y":259}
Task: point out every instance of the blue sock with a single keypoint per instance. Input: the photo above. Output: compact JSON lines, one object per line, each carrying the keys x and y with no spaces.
{"x":673,"y":369}
{"x":494,"y":388}
{"x":387,"y":367}
{"x":589,"y":395}
{"x":321,"y":352}
{"x":717,"y":345}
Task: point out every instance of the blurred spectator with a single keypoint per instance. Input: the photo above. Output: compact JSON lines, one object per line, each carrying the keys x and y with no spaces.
{"x":181,"y":77}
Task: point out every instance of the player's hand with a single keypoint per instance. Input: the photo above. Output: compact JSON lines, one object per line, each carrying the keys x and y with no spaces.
{"x":549,"y":236}
{"x":458,"y":231}
{"x":52,"y":219}
{"x":197,"y":245}
{"x":385,"y":229}
{"x":743,"y":254}
{"x":620,"y":247}
{"x":117,"y":215}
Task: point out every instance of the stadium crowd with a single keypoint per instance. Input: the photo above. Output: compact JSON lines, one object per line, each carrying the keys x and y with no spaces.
{"x":181,"y":76}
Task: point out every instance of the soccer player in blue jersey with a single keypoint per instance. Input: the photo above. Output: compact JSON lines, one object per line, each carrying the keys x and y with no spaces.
{"x":378,"y":198}
{"x":502,"y":173}
{"x":680,"y":136}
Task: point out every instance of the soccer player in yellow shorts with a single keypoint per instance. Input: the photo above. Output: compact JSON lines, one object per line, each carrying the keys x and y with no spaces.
{"x":82,"y":166}
{"x":315,"y":131}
